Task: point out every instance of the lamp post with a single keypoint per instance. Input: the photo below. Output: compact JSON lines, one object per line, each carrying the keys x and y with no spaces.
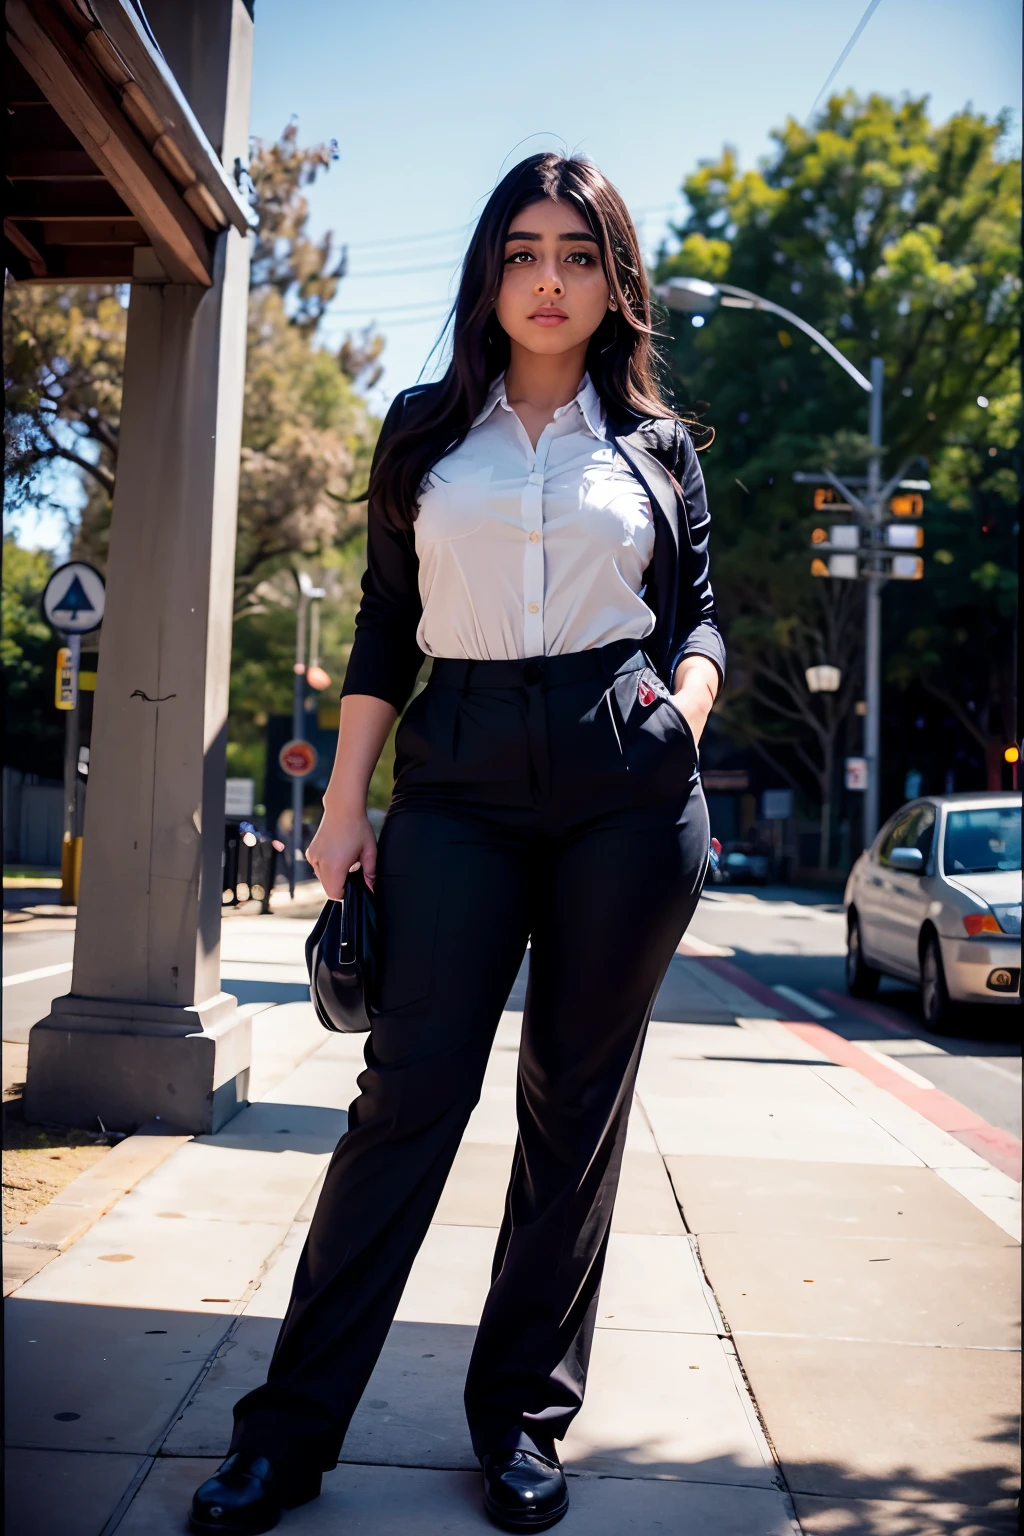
{"x":307,"y":594}
{"x":695,"y":296}
{"x":824,"y":678}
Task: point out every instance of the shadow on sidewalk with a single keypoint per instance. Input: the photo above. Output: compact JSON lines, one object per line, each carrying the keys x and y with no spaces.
{"x":94,"y":1392}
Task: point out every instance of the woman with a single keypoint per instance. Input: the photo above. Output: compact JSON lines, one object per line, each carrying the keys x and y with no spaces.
{"x":537,"y":526}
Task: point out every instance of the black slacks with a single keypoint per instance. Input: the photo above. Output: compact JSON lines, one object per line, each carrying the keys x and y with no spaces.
{"x":553,"y":801}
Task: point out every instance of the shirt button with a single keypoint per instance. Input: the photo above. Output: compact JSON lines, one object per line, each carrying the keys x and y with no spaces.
{"x":535,"y":479}
{"x":533,"y":608}
{"x":534,"y":537}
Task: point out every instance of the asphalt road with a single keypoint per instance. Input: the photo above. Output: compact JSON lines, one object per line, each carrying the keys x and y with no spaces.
{"x":784,"y":936}
{"x":778,"y":935}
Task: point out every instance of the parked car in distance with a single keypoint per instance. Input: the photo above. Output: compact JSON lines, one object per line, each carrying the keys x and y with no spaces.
{"x":744,"y":864}
{"x":936,"y":900}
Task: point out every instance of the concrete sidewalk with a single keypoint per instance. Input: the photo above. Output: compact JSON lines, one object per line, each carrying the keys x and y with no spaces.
{"x":794,"y":1250}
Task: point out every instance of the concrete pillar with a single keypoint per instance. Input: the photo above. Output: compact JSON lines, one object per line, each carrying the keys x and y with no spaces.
{"x":146,"y":1029}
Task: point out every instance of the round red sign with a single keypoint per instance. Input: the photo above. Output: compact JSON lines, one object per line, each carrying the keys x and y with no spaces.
{"x":297,"y":759}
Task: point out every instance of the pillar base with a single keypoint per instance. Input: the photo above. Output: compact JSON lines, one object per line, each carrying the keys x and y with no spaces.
{"x":125,"y":1063}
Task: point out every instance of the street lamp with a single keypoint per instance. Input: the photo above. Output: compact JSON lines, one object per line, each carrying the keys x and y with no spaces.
{"x":693,"y":295}
{"x":696,"y":296}
{"x":823,"y":679}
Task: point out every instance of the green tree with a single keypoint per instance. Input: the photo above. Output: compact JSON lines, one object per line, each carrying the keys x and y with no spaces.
{"x":307,"y":435}
{"x":34,"y":734}
{"x":895,"y":237}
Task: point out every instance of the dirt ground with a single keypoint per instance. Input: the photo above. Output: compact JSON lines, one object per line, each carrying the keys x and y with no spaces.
{"x":38,"y":1160}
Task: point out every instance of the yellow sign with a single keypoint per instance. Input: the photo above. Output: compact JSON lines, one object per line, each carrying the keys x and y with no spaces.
{"x":66,"y":686}
{"x":908,"y":505}
{"x":828,"y":499}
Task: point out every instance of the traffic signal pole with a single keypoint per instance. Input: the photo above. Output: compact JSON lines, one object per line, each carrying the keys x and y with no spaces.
{"x":298,"y":734}
{"x":867,"y":551}
{"x":873,"y":612}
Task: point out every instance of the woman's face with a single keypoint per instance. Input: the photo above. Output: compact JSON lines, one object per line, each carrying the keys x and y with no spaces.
{"x":554,"y":292}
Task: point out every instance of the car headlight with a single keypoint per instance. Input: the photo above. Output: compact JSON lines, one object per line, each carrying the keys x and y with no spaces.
{"x":1001,"y":919}
{"x":1008,"y":917}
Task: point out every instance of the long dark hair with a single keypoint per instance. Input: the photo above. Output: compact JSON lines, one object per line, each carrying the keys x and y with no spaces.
{"x":620,"y":358}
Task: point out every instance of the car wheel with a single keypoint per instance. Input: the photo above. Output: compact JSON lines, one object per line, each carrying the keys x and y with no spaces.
{"x":861,"y":979}
{"x":935,"y":1000}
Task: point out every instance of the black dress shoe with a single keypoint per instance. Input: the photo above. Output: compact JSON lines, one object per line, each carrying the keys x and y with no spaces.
{"x":524,"y":1491}
{"x":246,"y":1495}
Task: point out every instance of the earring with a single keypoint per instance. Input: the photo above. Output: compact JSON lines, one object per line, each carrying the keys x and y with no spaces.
{"x":612,"y":304}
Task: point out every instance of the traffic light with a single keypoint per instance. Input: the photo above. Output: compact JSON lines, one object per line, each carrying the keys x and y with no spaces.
{"x":828,"y":499}
{"x":910,"y":504}
{"x":852,"y":551}
{"x":906,"y":568}
{"x":900,"y":536}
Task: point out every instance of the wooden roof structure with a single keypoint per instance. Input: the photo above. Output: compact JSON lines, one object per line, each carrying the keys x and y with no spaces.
{"x":103,"y":154}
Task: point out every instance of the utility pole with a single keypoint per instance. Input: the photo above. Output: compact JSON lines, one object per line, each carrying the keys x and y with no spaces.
{"x":868,"y":550}
{"x":307,"y":760}
{"x":298,"y":727}
{"x":873,"y":613}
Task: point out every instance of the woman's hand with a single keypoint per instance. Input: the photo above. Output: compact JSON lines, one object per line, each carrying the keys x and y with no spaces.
{"x":343,"y":839}
{"x":344,"y":836}
{"x":696,"y":683}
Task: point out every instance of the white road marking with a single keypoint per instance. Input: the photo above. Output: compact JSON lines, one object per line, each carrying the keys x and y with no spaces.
{"x":816,"y":1010}
{"x":44,"y":970}
{"x":894,"y":1062}
{"x":982,"y":1061}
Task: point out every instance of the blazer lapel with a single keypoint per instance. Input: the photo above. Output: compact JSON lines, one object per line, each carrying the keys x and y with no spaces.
{"x":654,"y":478}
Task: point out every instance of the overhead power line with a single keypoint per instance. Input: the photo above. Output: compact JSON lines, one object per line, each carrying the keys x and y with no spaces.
{"x":389,"y":309}
{"x":858,"y":29}
{"x":437,"y":234}
{"x":463,"y":230}
{"x":432,"y":266}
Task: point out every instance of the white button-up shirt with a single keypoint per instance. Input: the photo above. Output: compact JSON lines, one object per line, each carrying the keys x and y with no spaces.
{"x":529,"y":551}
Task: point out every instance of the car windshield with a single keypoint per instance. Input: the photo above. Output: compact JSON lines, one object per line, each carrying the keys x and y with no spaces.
{"x":979,"y":842}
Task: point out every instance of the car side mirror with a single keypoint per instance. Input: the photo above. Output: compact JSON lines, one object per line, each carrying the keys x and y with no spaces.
{"x":910,"y":860}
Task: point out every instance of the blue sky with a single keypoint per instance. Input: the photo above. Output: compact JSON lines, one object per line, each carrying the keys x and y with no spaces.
{"x":431,"y":100}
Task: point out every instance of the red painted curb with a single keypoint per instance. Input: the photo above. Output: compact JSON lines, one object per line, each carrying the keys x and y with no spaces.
{"x":997,"y":1147}
{"x":840,"y":1000}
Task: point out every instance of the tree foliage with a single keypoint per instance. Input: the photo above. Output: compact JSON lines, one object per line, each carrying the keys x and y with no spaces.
{"x":307,"y":434}
{"x":63,"y":366}
{"x":34,"y":730}
{"x":899,"y":238}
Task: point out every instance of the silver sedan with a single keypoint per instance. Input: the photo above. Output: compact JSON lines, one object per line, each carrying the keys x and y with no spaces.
{"x":936,"y":900}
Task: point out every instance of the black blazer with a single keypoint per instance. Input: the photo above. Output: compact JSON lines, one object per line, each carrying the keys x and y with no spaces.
{"x":385,"y":657}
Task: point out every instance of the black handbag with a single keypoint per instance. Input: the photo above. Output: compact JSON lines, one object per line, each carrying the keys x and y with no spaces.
{"x":340,"y":958}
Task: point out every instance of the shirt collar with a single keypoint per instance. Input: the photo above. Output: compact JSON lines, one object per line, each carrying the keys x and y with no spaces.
{"x":586,"y":398}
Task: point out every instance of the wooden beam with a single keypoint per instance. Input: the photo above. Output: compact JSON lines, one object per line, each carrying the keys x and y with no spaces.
{"x":23,"y":245}
{"x":73,"y":85}
{"x":90,"y":264}
{"x":65,"y":200}
{"x":156,"y":85}
{"x":50,"y":165}
{"x":38,"y":127}
{"x":84,"y":231}
{"x":75,"y":264}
